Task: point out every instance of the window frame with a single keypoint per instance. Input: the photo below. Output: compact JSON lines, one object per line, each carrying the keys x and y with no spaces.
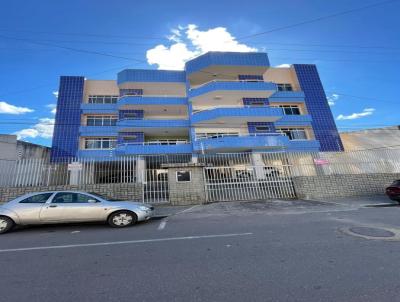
{"x":23,"y":200}
{"x":77,"y":198}
{"x":100,"y":141}
{"x":268,"y":129}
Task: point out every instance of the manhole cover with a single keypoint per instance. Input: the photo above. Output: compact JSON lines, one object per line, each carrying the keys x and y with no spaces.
{"x":372,"y":232}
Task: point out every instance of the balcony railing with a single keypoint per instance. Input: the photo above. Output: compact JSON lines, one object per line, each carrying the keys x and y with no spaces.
{"x":240,"y":135}
{"x":156,"y":142}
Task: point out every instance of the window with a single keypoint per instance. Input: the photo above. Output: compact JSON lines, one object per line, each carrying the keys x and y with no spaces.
{"x":183,"y":176}
{"x":131,"y":116}
{"x":294,"y":133}
{"x":100,"y":143}
{"x":251,"y":77}
{"x":284,"y":87}
{"x":215,"y":135}
{"x":72,"y":198}
{"x":132,"y":92}
{"x":129,"y":138}
{"x":261,"y":128}
{"x":101,"y":120}
{"x":39,"y":198}
{"x":290,"y":109}
{"x":103,"y":99}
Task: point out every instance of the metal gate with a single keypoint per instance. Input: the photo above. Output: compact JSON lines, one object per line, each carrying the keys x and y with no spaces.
{"x":155,"y":186}
{"x":248,"y":183}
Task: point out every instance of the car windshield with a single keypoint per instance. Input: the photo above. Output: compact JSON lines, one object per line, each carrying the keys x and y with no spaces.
{"x":103,"y":197}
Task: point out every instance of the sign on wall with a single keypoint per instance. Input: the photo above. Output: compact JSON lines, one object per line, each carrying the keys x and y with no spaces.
{"x":75,"y":166}
{"x":183,"y":176}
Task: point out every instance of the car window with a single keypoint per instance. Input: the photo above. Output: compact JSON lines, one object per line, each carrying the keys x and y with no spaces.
{"x":82,"y":198}
{"x":72,"y":198}
{"x":39,"y":198}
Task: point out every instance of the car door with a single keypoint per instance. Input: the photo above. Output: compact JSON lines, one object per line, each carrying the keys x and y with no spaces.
{"x":72,"y":206}
{"x":28,"y":209}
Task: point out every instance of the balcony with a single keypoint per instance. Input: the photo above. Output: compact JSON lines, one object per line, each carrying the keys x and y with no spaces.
{"x":294,"y":120}
{"x":138,"y":102}
{"x":270,"y":141}
{"x":234,"y":115}
{"x":227,"y":60}
{"x":146,"y":123}
{"x":98,"y":130}
{"x":89,"y":108}
{"x":303,"y":146}
{"x":240,"y":89}
{"x":287,"y":96}
{"x":107,"y":153}
{"x":155,"y":147}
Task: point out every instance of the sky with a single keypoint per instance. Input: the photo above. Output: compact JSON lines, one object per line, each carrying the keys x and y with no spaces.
{"x":357,"y":54}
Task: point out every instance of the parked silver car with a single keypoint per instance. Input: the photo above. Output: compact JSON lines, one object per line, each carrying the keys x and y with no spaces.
{"x":70,"y":206}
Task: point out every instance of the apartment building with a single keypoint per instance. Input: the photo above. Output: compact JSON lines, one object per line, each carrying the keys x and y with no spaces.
{"x":221,"y":102}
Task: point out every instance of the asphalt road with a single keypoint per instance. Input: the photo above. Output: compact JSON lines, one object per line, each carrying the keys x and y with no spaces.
{"x":279,"y":251}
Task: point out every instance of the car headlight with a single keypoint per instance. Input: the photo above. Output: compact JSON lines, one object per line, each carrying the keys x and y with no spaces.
{"x":143,"y":208}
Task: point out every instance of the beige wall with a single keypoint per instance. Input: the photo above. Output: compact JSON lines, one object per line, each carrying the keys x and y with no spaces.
{"x":282,"y":75}
{"x":100,"y":87}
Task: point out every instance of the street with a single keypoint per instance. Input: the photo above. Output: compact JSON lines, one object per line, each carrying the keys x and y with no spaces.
{"x":236,"y":251}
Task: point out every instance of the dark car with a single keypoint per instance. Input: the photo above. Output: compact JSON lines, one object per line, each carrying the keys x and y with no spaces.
{"x":393,"y":191}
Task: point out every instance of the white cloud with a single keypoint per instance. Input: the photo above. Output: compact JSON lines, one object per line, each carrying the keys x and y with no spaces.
{"x":173,"y":58}
{"x":43,"y":129}
{"x":365,"y":112}
{"x":283,"y":66}
{"x":55,"y":93}
{"x":6,"y":108}
{"x":190,"y":42}
{"x":332,"y":99}
{"x":53,"y":108}
{"x":215,"y":39}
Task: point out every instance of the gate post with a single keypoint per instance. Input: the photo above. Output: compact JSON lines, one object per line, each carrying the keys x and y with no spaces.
{"x":186,"y":183}
{"x":258,"y":163}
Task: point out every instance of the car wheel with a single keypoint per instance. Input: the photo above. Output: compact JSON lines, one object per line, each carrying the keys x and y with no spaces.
{"x":122,"y":219}
{"x":6,"y":224}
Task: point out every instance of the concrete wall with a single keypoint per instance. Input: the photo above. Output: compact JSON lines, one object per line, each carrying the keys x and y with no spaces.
{"x":8,"y":147}
{"x":118,"y":191}
{"x":344,"y":185}
{"x":371,"y":138}
{"x":186,"y":193}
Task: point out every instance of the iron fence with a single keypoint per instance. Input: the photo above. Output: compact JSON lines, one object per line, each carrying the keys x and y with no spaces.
{"x":132,"y":169}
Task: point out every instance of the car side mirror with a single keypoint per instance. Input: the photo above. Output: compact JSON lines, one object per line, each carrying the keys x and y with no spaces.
{"x":92,"y":201}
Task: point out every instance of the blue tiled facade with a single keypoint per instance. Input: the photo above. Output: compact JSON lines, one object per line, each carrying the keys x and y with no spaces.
{"x":323,"y":122}
{"x":68,"y":118}
{"x":174,"y":112}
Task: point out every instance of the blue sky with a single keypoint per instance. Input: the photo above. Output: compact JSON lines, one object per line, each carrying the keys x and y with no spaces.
{"x":357,"y":54}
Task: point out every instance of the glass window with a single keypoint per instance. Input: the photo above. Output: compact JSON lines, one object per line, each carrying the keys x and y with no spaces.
{"x":284,"y":87}
{"x":82,"y":198}
{"x":64,"y":198}
{"x":102,"y":99}
{"x":261,"y":128}
{"x":290,"y":109}
{"x":294,"y":133}
{"x":40,"y":198}
{"x":72,"y":198}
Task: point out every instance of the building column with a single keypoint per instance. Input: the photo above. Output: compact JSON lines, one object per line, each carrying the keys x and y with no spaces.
{"x":140,"y":169}
{"x":258,"y":163}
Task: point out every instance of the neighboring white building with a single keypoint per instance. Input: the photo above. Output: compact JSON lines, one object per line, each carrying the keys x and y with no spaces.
{"x":13,"y":149}
{"x":371,"y":138}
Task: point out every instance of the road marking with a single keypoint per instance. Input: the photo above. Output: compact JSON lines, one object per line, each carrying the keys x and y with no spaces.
{"x":162,"y":225}
{"x":122,"y":242}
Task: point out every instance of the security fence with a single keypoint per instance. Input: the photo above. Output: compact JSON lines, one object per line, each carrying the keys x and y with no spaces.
{"x":262,"y":174}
